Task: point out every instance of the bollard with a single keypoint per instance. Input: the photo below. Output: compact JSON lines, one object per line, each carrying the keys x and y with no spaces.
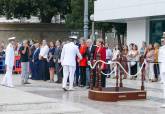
{"x":99,"y":75}
{"x":91,"y":74}
{"x":98,"y":82}
{"x":117,"y":76}
{"x":142,"y":74}
{"x":97,"y":72}
{"x":120,"y":60}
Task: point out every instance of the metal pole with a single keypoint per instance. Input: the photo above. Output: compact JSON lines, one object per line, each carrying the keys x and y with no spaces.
{"x":93,"y":30}
{"x":86,"y":19}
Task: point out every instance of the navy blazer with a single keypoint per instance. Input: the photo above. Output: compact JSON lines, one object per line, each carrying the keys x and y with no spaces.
{"x":91,"y":52}
{"x":36,"y":55}
{"x":57,"y":53}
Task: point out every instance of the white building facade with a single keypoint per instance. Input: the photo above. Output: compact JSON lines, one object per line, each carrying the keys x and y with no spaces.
{"x":145,"y":18}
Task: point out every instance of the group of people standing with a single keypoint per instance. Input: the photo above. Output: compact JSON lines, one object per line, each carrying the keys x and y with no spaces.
{"x":37,"y":59}
{"x":131,"y":60}
{"x":74,"y":59}
{"x":65,"y":59}
{"x":44,"y":60}
{"x":69,"y":61}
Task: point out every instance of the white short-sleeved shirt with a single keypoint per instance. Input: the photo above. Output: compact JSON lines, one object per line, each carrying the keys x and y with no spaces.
{"x":44,"y":51}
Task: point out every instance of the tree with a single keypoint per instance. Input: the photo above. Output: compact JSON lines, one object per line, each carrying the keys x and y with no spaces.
{"x":44,"y":9}
{"x":1,"y":7}
{"x":75,"y":17}
{"x":74,"y":20}
{"x":17,"y":8}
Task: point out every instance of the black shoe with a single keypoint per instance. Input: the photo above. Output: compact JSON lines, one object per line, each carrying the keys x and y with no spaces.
{"x":58,"y":82}
{"x":74,"y":85}
{"x":64,"y":89}
{"x":88,"y":87}
{"x":27,"y":83}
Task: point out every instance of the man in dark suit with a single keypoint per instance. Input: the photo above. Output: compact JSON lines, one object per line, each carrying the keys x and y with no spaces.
{"x":90,"y":55}
{"x":57,"y":56}
{"x":91,"y":49}
{"x":35,"y":60}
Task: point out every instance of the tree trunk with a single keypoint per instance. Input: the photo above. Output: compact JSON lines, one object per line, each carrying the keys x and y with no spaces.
{"x":46,"y":18}
{"x":123,"y":40}
{"x":103,"y":34}
{"x":119,"y":42}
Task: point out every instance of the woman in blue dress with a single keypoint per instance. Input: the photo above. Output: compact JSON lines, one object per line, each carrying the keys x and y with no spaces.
{"x":51,"y":61}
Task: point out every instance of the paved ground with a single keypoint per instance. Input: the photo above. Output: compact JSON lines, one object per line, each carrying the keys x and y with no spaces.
{"x":45,"y":98}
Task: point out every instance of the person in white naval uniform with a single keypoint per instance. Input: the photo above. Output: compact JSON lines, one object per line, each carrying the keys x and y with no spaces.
{"x":9,"y":62}
{"x":68,"y":61}
{"x":161,"y":59}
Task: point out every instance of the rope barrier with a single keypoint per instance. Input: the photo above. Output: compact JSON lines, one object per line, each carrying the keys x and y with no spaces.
{"x":116,"y":62}
{"x":109,"y":73}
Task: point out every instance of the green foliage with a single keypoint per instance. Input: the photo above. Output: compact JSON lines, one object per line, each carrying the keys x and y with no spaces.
{"x":44,"y":9}
{"x":71,"y":10}
{"x":75,"y":18}
{"x":17,"y":8}
{"x":1,"y":7}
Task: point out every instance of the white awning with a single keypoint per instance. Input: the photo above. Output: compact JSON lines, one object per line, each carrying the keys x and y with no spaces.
{"x":109,"y":10}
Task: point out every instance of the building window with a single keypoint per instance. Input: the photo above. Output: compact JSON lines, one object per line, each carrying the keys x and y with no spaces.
{"x":157,"y":27}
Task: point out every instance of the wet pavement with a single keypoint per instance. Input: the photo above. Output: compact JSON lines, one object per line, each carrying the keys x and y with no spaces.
{"x":79,"y":97}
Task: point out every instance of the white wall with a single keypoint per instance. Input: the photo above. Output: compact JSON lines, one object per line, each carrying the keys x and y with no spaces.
{"x":106,"y":10}
{"x":137,"y":32}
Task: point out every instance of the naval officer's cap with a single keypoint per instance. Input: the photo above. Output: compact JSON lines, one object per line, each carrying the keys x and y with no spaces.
{"x":163,"y":35}
{"x":11,"y":39}
{"x":73,"y":37}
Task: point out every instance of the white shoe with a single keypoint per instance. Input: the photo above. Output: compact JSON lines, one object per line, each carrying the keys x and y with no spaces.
{"x":10,"y":86}
{"x":3,"y":84}
{"x":65,"y":89}
{"x":163,"y":106}
{"x":71,"y":89}
{"x":161,"y":82}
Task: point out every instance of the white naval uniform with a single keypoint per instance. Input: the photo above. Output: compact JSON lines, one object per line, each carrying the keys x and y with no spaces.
{"x":68,"y":61}
{"x":161,"y":59}
{"x":9,"y":62}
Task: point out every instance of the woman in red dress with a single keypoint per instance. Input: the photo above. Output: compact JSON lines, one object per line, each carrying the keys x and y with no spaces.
{"x":83,"y":62}
{"x":101,"y":50}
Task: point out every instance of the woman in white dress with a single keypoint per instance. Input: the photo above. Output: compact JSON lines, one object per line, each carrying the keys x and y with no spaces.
{"x":133,"y":57}
{"x":150,"y":60}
